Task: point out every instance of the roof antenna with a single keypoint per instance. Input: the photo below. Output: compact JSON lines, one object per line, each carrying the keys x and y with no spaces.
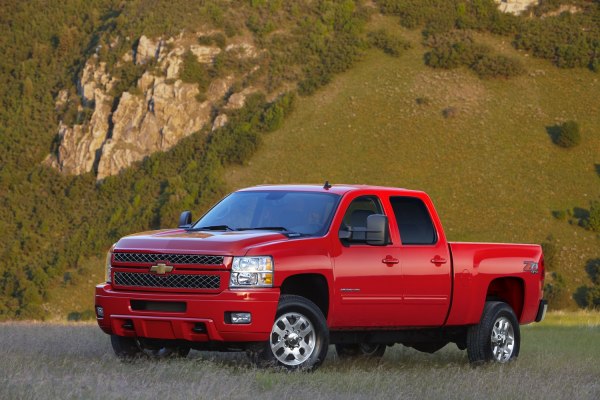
{"x":326,"y":186}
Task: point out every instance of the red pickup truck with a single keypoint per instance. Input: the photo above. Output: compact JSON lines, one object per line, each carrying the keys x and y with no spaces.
{"x":284,"y":271}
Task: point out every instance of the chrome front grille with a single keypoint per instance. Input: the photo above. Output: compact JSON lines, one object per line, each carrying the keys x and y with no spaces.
{"x":150,"y":258}
{"x":174,"y":281}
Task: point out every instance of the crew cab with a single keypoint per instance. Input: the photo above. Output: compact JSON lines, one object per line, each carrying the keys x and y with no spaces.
{"x":282,"y":272}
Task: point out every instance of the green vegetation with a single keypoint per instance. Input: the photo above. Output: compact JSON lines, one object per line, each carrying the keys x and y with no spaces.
{"x":457,"y":48}
{"x":391,"y":45}
{"x":558,"y":359}
{"x":53,"y":225}
{"x":568,"y":134}
{"x":589,"y":296}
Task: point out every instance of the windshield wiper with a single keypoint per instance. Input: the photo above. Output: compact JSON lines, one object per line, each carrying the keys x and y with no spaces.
{"x":213,"y":228}
{"x":264,"y":228}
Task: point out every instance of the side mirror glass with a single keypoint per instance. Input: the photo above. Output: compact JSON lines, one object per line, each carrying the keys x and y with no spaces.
{"x":377,"y":230}
{"x":185,"y":219}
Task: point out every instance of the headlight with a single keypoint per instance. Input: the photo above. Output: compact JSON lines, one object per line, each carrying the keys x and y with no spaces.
{"x":251,"y":271}
{"x":108,"y":263}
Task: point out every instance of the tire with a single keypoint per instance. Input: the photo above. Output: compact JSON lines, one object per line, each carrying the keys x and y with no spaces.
{"x":128,"y":348}
{"x":125,"y":347}
{"x":299,"y":338}
{"x":360,"y":350}
{"x":497,"y":337}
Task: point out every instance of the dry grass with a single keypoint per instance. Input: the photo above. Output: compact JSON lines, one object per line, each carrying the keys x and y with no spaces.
{"x":42,"y":361}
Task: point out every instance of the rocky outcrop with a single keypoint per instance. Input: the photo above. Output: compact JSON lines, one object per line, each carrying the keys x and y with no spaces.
{"x":515,"y":6}
{"x":156,"y":116}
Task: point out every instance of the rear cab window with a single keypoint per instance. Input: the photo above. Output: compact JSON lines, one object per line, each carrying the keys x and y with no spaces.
{"x":414,"y":221}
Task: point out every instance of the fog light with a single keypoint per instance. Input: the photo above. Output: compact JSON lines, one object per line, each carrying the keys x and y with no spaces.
{"x":241,"y":318}
{"x":99,"y":312}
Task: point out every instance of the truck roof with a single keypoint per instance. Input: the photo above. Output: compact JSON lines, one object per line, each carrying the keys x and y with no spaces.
{"x":340,"y":189}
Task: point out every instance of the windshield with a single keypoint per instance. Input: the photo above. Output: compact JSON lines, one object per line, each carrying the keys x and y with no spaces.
{"x":301,"y":213}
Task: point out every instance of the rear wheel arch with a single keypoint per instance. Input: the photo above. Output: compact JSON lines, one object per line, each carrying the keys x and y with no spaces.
{"x":313,"y":287}
{"x":509,"y":290}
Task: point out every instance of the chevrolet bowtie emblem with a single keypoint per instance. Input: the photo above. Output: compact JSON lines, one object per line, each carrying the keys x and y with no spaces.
{"x":161,"y":269}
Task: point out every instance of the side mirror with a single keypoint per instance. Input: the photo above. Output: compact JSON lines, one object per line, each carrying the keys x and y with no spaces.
{"x":185,"y":219}
{"x":377,"y":230}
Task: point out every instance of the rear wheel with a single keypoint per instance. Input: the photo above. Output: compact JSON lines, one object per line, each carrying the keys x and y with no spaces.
{"x":497,"y":337}
{"x":360,"y":350}
{"x":299,"y":337}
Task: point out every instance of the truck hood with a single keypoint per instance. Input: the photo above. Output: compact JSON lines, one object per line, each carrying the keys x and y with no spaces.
{"x":195,"y":242}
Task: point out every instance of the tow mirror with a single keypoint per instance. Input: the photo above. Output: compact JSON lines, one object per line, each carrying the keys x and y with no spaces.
{"x":377,"y":230}
{"x":185,"y":219}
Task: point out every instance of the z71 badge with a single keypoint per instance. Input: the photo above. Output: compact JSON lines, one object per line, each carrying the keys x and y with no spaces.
{"x":531,"y":266}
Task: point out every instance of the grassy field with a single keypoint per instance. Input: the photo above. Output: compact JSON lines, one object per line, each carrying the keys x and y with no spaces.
{"x":492,"y":170}
{"x":45,"y":361}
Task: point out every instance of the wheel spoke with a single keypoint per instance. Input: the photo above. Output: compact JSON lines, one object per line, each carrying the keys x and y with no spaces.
{"x":280,"y":332}
{"x":278,"y":346}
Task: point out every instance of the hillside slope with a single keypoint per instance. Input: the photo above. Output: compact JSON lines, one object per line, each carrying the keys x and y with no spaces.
{"x":492,"y":169}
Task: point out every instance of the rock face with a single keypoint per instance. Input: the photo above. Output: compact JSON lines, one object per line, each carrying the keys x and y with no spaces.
{"x":162,"y":111}
{"x":515,"y":6}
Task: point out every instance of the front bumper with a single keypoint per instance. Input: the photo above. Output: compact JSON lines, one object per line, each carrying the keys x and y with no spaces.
{"x":208,"y":309}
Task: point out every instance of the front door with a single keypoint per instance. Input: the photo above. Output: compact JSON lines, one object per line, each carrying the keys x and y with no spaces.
{"x":368,"y":290}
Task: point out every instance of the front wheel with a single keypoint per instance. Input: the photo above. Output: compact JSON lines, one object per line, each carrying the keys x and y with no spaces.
{"x":128,"y":348}
{"x":299,"y":337}
{"x":497,"y":337}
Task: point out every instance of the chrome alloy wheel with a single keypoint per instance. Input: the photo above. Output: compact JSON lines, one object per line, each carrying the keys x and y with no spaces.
{"x":293,"y":339}
{"x":503,"y":340}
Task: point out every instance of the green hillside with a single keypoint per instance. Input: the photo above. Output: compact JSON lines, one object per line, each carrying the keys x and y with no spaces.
{"x":492,"y":170}
{"x":432,"y":95}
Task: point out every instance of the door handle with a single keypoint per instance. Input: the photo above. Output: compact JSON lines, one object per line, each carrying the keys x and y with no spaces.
{"x":390,"y":260}
{"x":437,"y":260}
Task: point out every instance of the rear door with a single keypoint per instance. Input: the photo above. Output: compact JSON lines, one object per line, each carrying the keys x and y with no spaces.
{"x":425,"y":263}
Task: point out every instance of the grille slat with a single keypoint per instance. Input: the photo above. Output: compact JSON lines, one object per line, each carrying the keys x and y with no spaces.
{"x":174,"y":281}
{"x":170,"y":258}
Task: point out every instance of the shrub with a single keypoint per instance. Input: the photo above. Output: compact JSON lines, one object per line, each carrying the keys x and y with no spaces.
{"x":449,"y":112}
{"x":423,"y":101}
{"x":497,"y":66}
{"x":594,"y":219}
{"x":194,"y":72}
{"x":391,"y":45}
{"x":593,"y":269}
{"x":588,"y":297}
{"x":456,"y":48}
{"x":568,"y":135}
{"x":555,"y":290}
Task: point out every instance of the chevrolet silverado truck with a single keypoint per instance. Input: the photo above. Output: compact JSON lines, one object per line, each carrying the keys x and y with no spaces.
{"x":282,"y":272}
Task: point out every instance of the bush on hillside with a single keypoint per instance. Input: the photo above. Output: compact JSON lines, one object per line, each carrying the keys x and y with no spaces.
{"x":568,"y":135}
{"x":497,"y":66}
{"x":390,"y":45}
{"x":457,"y":48}
{"x":594,"y":219}
{"x":194,"y":72}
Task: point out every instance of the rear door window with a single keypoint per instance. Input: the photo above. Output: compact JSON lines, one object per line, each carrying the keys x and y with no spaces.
{"x":414,"y":221}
